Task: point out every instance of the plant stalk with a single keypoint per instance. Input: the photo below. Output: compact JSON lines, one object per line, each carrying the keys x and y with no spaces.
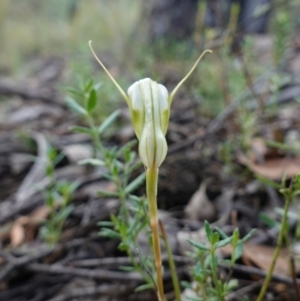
{"x":151,"y":183}
{"x":277,"y":250}
{"x":172,"y":266}
{"x":215,"y":274}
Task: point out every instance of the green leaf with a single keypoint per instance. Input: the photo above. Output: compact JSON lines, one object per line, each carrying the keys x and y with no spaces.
{"x":123,"y":246}
{"x":126,"y":269}
{"x":94,"y":162}
{"x":290,"y":214}
{"x":92,"y":102}
{"x":269,"y":221}
{"x":143,"y":287}
{"x":74,"y":106}
{"x":232,"y":284}
{"x":107,"y":194}
{"x":81,"y":129}
{"x":235,"y":236}
{"x":88,"y":85}
{"x":62,"y":215}
{"x":58,"y":159}
{"x":186,"y":284}
{"x":135,"y":183}
{"x":226,"y":261}
{"x":198,"y":245}
{"x":245,"y":238}
{"x":105,"y":224}
{"x":282,"y":146}
{"x":268,"y":182}
{"x":221,"y":232}
{"x":208,"y":231}
{"x":75,"y":92}
{"x":124,"y":148}
{"x":238,"y":251}
{"x":223,"y":242}
{"x":108,"y":121}
{"x":207,"y":261}
{"x":106,"y":232}
{"x":215,"y":238}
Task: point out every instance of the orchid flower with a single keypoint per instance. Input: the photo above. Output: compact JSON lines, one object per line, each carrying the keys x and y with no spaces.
{"x":149,"y":104}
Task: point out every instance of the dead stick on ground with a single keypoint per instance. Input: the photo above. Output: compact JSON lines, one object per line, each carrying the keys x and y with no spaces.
{"x":107,"y":290}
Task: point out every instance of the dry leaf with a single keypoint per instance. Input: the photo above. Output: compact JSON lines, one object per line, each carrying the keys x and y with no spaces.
{"x":24,"y":228}
{"x":259,"y":148}
{"x":261,"y":256}
{"x":273,"y":169}
{"x":17,"y":234}
{"x":199,"y":206}
{"x":39,"y":214}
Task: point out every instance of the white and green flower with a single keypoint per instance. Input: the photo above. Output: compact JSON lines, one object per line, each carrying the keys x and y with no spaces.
{"x":149,"y":104}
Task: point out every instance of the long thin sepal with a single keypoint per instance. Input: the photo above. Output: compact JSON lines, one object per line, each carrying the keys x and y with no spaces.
{"x":109,"y":75}
{"x":187,"y":76}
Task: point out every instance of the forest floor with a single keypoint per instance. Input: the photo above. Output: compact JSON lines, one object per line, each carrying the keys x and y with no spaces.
{"x":225,"y":169}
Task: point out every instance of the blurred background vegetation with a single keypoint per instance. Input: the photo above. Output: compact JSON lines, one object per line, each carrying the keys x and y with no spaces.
{"x":34,"y":29}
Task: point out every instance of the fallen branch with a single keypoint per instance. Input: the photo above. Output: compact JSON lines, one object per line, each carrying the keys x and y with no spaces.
{"x":95,"y":274}
{"x":105,"y":289}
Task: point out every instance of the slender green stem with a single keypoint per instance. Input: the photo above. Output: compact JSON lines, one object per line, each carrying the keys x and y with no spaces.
{"x":108,"y":163}
{"x":215,"y":274}
{"x":124,"y":210}
{"x":277,"y":250}
{"x":137,"y":266}
{"x":95,"y":136}
{"x":151,"y":183}
{"x":171,"y":263}
{"x":203,"y":290}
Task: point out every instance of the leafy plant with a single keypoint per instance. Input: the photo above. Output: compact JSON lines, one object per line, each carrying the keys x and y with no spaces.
{"x":57,"y":197}
{"x":149,"y":105}
{"x":290,"y":193}
{"x":209,"y":286}
{"x":132,"y":219}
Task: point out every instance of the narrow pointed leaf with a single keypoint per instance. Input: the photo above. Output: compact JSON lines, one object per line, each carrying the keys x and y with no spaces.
{"x":94,"y":162}
{"x":74,"y":106}
{"x":92,"y":101}
{"x":108,"y":194}
{"x":223,"y":242}
{"x":144,"y":287}
{"x":136,"y":183}
{"x":198,"y":245}
{"x":81,"y":129}
{"x":208,"y":231}
{"x":245,"y":238}
{"x":108,"y":121}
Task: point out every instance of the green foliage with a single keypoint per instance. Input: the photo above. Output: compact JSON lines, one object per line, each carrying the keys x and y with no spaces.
{"x":282,"y":26}
{"x":205,"y":272}
{"x":132,"y":219}
{"x":56,"y":27}
{"x":57,"y":198}
{"x":290,"y":192}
